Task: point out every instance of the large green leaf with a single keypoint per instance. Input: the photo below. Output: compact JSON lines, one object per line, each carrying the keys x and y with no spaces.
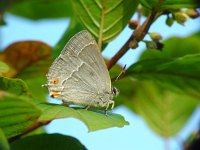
{"x":165,"y":112}
{"x":17,"y":112}
{"x":182,"y":73}
{"x":175,"y":69}
{"x":41,"y":9}
{"x":48,"y":141}
{"x":34,"y":77}
{"x":169,"y":4}
{"x":3,"y":141}
{"x":105,"y":19}
{"x":93,"y":120}
{"x":17,"y":115}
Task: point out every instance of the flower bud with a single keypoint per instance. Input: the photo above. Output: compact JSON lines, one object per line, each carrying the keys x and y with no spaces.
{"x":192,"y":13}
{"x":181,"y":17}
{"x":150,"y":44}
{"x":133,"y":44}
{"x":169,"y":21}
{"x":155,"y":36}
{"x":154,"y":45}
{"x":133,"y":24}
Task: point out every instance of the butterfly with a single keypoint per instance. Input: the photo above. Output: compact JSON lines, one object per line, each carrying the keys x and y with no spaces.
{"x":79,"y":74}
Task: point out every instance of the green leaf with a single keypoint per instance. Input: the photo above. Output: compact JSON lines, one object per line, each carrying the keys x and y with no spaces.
{"x":3,"y":67}
{"x":34,"y":77}
{"x":169,"y":4}
{"x":125,"y":92}
{"x":105,"y":19}
{"x":40,"y":130}
{"x":182,"y":72}
{"x":3,"y":141}
{"x":48,"y":141}
{"x":41,"y":9}
{"x":164,"y":111}
{"x":148,"y":4}
{"x":17,"y":115}
{"x":93,"y":120}
{"x":14,"y":86}
{"x":177,"y":72}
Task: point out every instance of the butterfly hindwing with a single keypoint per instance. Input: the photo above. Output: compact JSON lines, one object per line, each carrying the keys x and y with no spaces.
{"x":80,"y":71}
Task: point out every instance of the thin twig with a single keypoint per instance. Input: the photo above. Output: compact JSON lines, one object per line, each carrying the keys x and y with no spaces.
{"x":136,"y":37}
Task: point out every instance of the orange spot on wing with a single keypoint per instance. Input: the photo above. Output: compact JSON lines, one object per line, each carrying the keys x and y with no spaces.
{"x":55,"y":94}
{"x":55,"y":81}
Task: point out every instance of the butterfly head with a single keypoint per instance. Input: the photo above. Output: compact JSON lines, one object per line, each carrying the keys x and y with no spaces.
{"x":115,"y":91}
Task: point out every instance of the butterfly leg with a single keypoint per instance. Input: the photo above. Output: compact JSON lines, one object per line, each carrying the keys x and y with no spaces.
{"x":113,"y":104}
{"x":106,"y":112}
{"x":110,"y":102}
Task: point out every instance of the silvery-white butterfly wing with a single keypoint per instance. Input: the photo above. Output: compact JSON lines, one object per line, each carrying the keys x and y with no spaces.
{"x":79,"y":74}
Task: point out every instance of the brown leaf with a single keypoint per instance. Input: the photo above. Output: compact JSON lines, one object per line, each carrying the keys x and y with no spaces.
{"x":21,"y":54}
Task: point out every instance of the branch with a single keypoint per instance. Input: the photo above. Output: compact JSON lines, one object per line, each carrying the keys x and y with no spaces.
{"x":139,"y":15}
{"x":133,"y":40}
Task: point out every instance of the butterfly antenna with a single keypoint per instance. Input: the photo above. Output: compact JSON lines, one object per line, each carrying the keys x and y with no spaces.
{"x":122,"y":73}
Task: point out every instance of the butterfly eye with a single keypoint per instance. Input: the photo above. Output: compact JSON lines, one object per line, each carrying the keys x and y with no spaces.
{"x":115,"y":91}
{"x":55,"y":81}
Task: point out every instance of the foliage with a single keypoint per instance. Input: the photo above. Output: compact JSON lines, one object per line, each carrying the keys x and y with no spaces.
{"x":20,"y":111}
{"x":162,"y":86}
{"x":41,"y":141}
